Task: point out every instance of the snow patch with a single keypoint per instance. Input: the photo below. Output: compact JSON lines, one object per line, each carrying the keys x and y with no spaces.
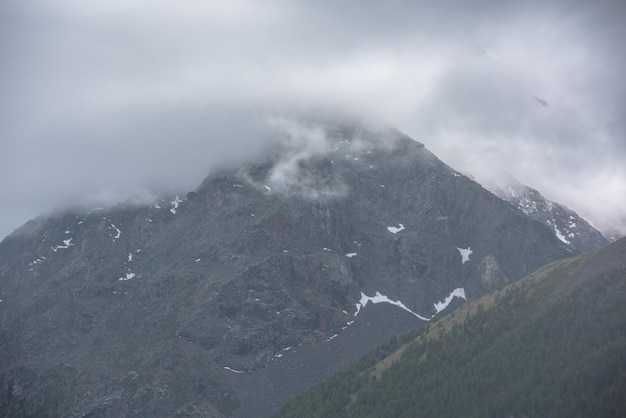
{"x":559,"y":235}
{"x":465,"y":253}
{"x":175,"y":204}
{"x":67,"y":243}
{"x":39,"y":260}
{"x":130,"y":257}
{"x":459,"y":293}
{"x":350,"y":255}
{"x":128,"y":277}
{"x":380,"y":298}
{"x":118,"y":232}
{"x":395,"y":230}
{"x":269,"y":189}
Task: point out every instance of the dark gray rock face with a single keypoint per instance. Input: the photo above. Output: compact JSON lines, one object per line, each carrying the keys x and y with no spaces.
{"x":158,"y":310}
{"x":571,"y":229}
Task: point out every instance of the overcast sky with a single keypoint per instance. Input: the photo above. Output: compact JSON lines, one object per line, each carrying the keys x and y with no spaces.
{"x":102,"y":101}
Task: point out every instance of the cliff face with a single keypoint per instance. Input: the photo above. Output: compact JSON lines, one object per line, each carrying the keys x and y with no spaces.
{"x":162,"y":309}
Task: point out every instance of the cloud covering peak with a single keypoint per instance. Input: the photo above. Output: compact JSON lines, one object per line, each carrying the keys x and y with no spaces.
{"x":105,"y":100}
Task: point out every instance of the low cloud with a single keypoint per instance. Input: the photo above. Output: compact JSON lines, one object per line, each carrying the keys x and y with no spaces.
{"x":109,"y":101}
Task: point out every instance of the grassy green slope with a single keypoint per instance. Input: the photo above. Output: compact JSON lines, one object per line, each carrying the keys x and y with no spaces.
{"x":552,"y":344}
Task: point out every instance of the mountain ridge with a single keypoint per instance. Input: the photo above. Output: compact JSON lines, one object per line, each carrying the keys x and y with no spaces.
{"x":156,"y":309}
{"x":574,"y":231}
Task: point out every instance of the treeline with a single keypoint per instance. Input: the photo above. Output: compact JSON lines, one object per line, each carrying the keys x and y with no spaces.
{"x":533,"y":351}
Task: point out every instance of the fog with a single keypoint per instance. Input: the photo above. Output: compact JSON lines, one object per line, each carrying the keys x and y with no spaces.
{"x":108,"y":101}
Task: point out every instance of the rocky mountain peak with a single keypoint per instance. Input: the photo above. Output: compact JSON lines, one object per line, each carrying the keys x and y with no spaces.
{"x":175,"y":307}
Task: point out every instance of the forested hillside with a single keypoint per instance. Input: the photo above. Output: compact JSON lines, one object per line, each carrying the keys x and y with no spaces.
{"x":553,"y":344}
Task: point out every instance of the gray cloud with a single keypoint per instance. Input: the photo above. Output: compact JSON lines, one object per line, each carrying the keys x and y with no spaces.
{"x":104,"y":101}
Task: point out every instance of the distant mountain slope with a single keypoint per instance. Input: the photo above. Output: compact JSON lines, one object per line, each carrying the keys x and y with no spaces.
{"x":571,"y":229}
{"x":161,"y":309}
{"x":552,"y":344}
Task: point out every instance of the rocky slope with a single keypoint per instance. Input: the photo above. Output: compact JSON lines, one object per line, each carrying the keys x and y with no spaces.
{"x":551,"y":344}
{"x":163,"y":309}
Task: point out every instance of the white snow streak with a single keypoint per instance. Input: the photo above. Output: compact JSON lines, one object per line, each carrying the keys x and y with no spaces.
{"x":233,"y":370}
{"x":118,"y":232}
{"x":379,"y":298}
{"x":459,"y":293}
{"x":350,"y":255}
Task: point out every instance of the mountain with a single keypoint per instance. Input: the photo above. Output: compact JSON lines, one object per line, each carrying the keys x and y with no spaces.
{"x":571,"y":229}
{"x":201,"y":304}
{"x":552,"y":344}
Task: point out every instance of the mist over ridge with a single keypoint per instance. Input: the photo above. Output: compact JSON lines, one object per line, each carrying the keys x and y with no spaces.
{"x":104,"y":103}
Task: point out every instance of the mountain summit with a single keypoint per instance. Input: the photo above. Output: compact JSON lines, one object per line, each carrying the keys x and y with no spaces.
{"x":167,"y":308}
